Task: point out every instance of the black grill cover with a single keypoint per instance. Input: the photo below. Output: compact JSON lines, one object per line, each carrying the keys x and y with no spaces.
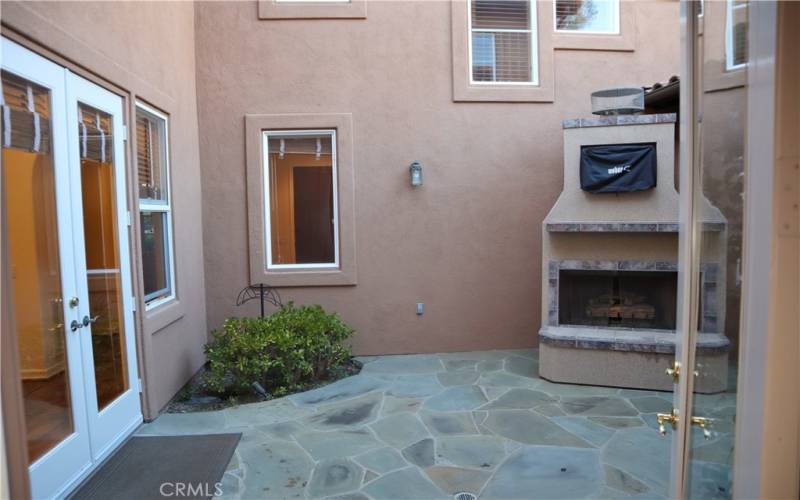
{"x":618,"y":168}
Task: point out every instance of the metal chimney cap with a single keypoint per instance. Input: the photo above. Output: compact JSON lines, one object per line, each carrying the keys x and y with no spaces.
{"x":618,"y":101}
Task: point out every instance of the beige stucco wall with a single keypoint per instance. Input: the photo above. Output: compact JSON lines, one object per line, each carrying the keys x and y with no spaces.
{"x":468,"y":242}
{"x":143,"y":50}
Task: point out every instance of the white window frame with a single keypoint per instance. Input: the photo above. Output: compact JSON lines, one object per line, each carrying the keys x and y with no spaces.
{"x":534,"y":46}
{"x":147,"y":205}
{"x":614,"y":31}
{"x":265,"y":136}
{"x":730,"y":8}
{"x":311,"y":1}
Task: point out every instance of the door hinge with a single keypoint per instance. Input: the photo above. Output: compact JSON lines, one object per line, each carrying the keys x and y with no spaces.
{"x":125,"y":132}
{"x":133,"y":303}
{"x":140,"y":386}
{"x":130,"y":220}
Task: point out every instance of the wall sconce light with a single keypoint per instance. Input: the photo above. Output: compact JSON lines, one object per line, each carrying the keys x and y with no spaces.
{"x":416,"y":173}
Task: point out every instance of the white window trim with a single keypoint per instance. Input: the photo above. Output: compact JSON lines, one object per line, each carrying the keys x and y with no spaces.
{"x":265,"y":135}
{"x":729,"y":65}
{"x":311,"y":1}
{"x":146,"y":205}
{"x":534,"y":37}
{"x":614,"y":31}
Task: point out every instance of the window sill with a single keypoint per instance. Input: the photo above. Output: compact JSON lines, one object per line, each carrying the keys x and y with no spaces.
{"x":593,"y":41}
{"x":305,"y":277}
{"x":718,"y":78}
{"x":270,"y":9}
{"x":161,"y":316}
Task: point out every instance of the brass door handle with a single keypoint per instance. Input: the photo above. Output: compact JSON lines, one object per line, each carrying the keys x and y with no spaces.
{"x":667,"y":418}
{"x":672,"y":419}
{"x":705,"y":424}
{"x":674,"y":371}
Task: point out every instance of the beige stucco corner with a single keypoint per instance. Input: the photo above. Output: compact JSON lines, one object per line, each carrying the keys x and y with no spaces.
{"x":345,"y":274}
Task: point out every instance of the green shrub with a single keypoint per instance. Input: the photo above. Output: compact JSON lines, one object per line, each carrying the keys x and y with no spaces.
{"x":284,"y":352}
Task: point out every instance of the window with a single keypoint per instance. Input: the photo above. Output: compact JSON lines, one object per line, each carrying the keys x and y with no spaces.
{"x":502,"y":42}
{"x":155,"y":206}
{"x":300,"y":197}
{"x":736,"y":35}
{"x":587,"y":16}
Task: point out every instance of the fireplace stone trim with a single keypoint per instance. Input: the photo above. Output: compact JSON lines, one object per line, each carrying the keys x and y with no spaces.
{"x":610,"y":121}
{"x":708,"y":286}
{"x":625,"y":227}
{"x":628,"y":340}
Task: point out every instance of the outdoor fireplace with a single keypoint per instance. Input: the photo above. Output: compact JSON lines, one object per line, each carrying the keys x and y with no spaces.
{"x":609,"y":261}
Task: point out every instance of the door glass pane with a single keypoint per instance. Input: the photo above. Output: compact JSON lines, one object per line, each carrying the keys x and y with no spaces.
{"x":100,"y":229}
{"x":719,"y":194}
{"x":32,"y":226}
{"x":301,"y":198}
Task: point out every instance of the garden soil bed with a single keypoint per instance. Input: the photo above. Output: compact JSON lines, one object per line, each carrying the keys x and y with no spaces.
{"x":194,"y":397}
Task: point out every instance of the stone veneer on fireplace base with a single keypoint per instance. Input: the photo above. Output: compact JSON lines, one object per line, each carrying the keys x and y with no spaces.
{"x":633,"y":358}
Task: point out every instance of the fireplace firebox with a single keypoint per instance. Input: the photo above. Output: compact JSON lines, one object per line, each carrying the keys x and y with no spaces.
{"x":618,"y":299}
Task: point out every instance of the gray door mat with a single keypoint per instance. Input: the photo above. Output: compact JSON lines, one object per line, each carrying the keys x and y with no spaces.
{"x":156,"y":467}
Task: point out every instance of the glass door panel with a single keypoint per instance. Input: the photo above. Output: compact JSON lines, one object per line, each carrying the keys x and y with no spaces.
{"x":100,"y":232}
{"x":97,"y":169}
{"x":718,"y":191}
{"x":32,"y":226}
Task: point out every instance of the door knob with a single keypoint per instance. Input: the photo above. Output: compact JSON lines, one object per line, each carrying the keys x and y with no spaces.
{"x":74,"y":326}
{"x":87,"y":320}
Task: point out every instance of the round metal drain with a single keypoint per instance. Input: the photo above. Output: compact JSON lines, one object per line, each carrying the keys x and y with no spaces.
{"x":464,"y":496}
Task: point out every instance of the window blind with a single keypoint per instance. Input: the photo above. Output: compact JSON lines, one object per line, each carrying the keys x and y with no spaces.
{"x":739,"y":22}
{"x":25,"y":115}
{"x":148,"y":157}
{"x":501,"y":40}
{"x":95,"y":133}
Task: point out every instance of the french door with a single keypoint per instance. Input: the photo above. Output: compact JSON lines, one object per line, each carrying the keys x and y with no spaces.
{"x":712,"y":281}
{"x":67,"y":229}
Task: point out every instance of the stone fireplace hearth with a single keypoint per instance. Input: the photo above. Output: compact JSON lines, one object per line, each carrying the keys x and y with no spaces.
{"x":609,"y":275}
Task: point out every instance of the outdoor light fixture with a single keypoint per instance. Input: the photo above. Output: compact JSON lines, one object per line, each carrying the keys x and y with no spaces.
{"x":416,"y":173}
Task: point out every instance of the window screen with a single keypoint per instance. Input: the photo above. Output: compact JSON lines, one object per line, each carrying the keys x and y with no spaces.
{"x":501,"y":36}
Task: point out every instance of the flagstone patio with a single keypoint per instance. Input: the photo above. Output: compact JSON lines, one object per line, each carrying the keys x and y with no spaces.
{"x":431,"y":426}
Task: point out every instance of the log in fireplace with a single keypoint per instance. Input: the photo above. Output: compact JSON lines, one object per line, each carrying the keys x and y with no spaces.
{"x":620,"y":299}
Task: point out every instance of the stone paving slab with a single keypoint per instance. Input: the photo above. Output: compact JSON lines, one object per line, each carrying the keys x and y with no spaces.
{"x":430,"y":426}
